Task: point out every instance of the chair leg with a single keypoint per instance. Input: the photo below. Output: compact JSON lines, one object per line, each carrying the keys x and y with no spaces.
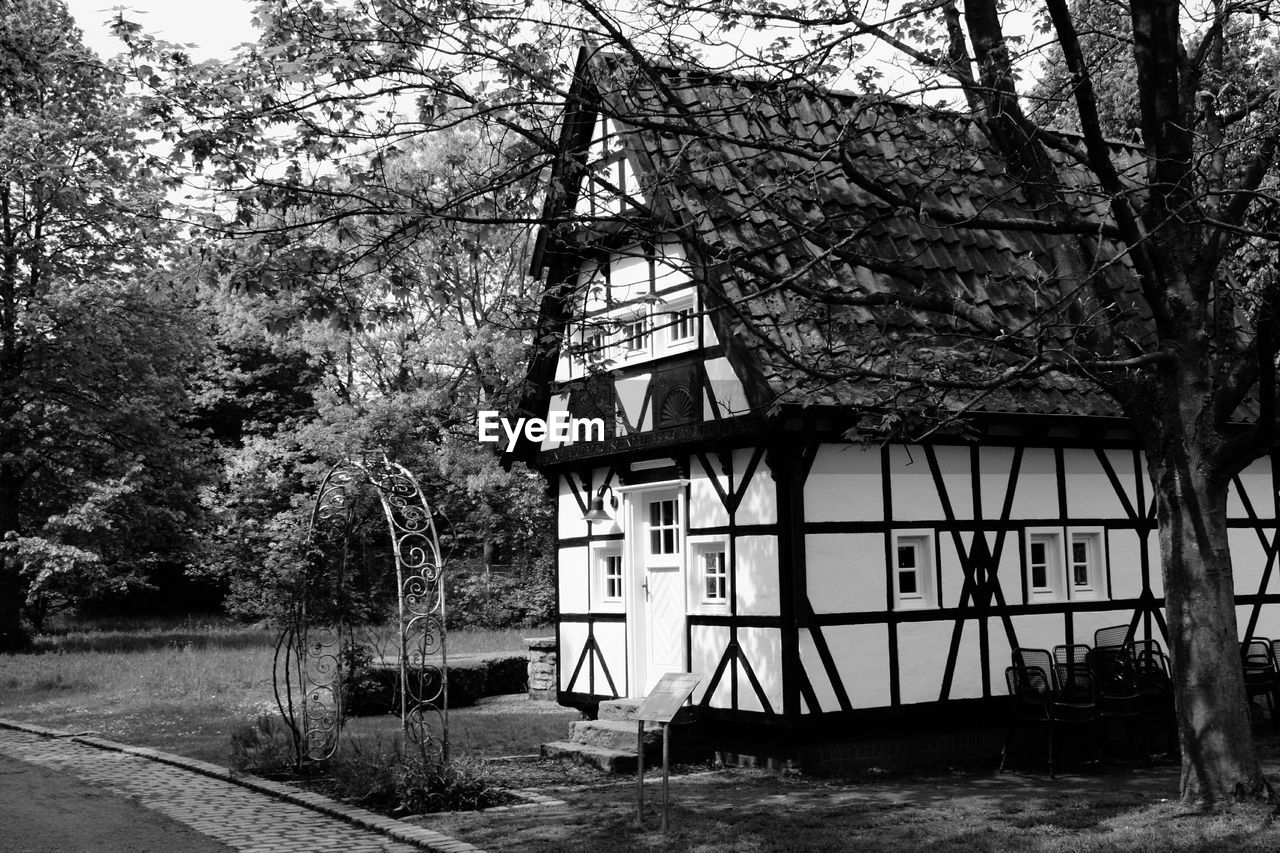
{"x":1051,"y":772}
{"x":1004,"y":750}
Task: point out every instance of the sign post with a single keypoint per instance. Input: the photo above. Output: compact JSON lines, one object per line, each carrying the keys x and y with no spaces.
{"x":660,"y":706}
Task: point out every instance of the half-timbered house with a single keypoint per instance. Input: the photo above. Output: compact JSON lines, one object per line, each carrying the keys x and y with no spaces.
{"x":821,"y":586}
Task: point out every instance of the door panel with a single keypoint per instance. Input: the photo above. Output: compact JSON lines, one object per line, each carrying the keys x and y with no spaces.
{"x":664,"y":628}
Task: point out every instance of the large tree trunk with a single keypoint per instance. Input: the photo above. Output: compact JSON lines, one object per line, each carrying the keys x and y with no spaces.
{"x":1219,"y":761}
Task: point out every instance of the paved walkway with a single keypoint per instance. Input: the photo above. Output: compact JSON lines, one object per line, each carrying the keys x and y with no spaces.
{"x":254,"y":821}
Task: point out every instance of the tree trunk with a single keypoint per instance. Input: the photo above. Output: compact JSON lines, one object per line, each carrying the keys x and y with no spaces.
{"x":1219,"y":761}
{"x":12,"y":585}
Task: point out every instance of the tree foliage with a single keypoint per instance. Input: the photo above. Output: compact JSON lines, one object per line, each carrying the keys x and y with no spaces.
{"x":97,"y":469}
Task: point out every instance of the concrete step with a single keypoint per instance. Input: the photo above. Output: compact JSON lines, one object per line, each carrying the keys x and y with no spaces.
{"x":608,"y":760}
{"x":619,"y":709}
{"x":614,"y":734}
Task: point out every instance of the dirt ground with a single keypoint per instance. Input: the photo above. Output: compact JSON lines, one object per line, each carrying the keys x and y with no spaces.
{"x":748,"y":811}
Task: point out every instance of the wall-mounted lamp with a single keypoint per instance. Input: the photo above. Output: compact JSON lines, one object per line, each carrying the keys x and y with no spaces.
{"x":597,"y":512}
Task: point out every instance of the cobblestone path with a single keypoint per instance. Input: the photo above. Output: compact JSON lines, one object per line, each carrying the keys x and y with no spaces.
{"x":240,"y":818}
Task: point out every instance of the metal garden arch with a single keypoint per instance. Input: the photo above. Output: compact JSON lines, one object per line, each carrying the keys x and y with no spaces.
{"x":314,"y":652}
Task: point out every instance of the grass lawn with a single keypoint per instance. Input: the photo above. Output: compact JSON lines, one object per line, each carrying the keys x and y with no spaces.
{"x":184,"y":687}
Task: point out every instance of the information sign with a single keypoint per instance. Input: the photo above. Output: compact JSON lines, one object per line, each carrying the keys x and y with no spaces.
{"x":664,"y":701}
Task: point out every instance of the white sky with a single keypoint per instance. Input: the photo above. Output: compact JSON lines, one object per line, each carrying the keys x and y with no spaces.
{"x":213,"y":26}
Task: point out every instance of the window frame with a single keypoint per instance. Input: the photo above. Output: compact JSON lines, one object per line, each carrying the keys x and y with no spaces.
{"x":624,"y":337}
{"x":670,"y":322}
{"x":924,"y":596}
{"x":601,"y":554}
{"x":698,"y":547}
{"x":1055,"y":575}
{"x":662,"y":559}
{"x":1094,"y":539}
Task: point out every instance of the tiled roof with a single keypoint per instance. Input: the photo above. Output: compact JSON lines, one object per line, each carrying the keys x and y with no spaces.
{"x":763,"y":182}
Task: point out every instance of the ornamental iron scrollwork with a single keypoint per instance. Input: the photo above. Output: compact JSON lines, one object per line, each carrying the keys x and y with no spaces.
{"x":318,"y":646}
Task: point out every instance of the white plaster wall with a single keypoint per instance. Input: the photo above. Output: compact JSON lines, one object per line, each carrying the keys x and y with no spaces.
{"x":572,"y":578}
{"x":573,"y":639}
{"x":1089,"y":491}
{"x":1010,"y":573}
{"x":729,"y":393}
{"x":952,"y":573}
{"x":845,"y":484}
{"x":1157,"y":573}
{"x":1036,"y":496}
{"x":762,"y":647}
{"x":966,"y":681}
{"x":922,"y":659}
{"x":756,"y":581}
{"x":1258,"y":487}
{"x":915,"y":498}
{"x":631,"y":394}
{"x":817,"y":675}
{"x":1038,"y":631}
{"x":705,"y":507}
{"x":994,"y":465}
{"x":1001,"y":655}
{"x":1124,"y":548}
{"x":611,"y":637}
{"x":671,"y":267}
{"x":1248,"y":559}
{"x":759,"y":504}
{"x":845,"y":572}
{"x":569,"y":523}
{"x":956,"y":468}
{"x":628,"y":274}
{"x":1268,"y":622}
{"x":708,"y":645}
{"x":861,"y":653}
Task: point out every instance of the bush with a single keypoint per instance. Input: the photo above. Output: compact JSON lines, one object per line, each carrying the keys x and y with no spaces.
{"x":426,"y":787}
{"x":371,"y":690}
{"x":263,"y":747}
{"x":372,"y":773}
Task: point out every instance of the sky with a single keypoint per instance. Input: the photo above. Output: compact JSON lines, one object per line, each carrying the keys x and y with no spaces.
{"x":214,"y":26}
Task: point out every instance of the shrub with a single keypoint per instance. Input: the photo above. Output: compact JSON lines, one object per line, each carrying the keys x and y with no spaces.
{"x":263,"y":747}
{"x":426,"y":787}
{"x":372,"y":772}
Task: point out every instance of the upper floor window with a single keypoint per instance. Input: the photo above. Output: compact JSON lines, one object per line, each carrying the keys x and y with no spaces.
{"x":682,"y":325}
{"x":634,"y":335}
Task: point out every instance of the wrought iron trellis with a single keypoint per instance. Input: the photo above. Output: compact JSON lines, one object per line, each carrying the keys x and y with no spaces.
{"x":318,"y":646}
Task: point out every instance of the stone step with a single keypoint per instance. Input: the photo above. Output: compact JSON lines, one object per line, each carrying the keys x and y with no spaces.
{"x":608,"y":760}
{"x":614,"y":734}
{"x":619,"y":709}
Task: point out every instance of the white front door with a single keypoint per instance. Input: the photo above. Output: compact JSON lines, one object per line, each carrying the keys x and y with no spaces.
{"x":661,"y":548}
